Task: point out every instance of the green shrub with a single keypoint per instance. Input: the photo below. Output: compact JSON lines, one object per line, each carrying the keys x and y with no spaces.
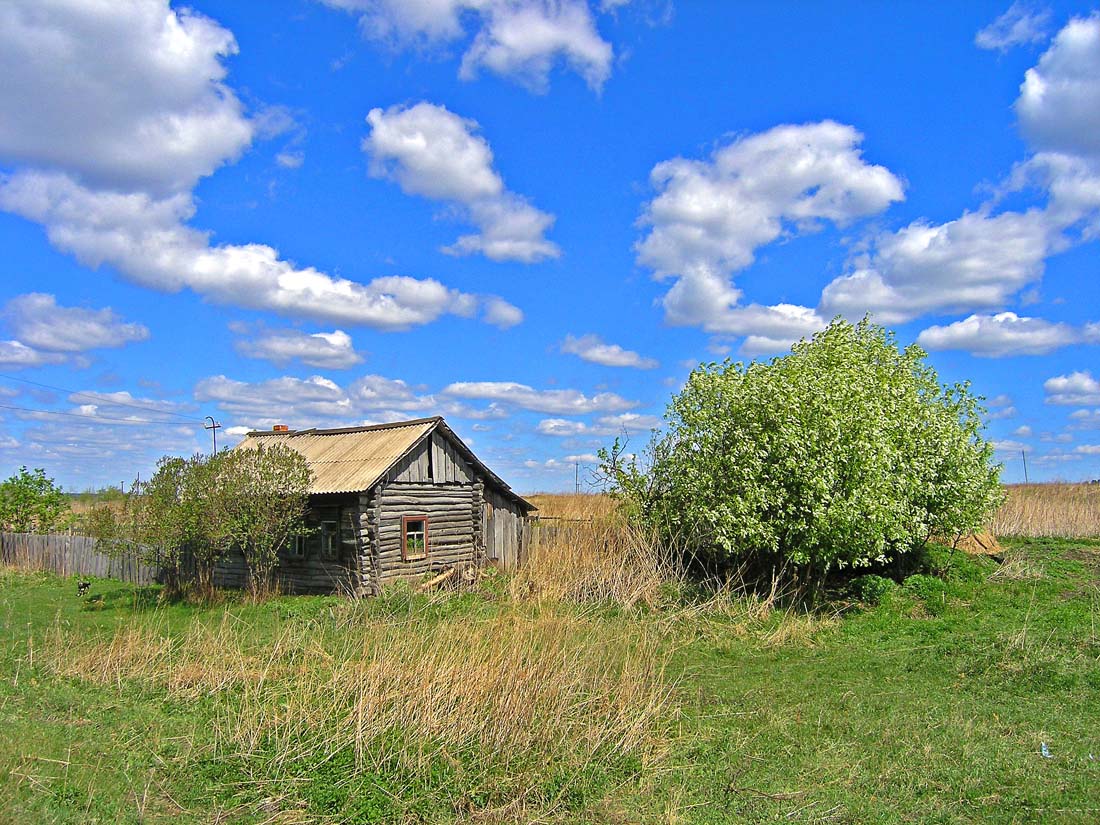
{"x":871,"y":588}
{"x":846,"y":452}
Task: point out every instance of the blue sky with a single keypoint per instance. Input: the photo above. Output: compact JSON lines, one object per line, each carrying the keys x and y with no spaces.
{"x":531,"y":216}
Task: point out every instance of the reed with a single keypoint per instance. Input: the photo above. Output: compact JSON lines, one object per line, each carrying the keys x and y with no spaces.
{"x":1049,"y":511}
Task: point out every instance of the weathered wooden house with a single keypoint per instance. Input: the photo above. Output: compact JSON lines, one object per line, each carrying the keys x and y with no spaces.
{"x":391,"y":501}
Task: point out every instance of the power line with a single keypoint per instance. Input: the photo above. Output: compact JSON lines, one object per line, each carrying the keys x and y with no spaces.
{"x":99,"y":398}
{"x":97,"y":419}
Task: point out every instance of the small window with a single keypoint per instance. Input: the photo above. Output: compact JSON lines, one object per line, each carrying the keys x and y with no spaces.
{"x":414,"y":537}
{"x":297,"y":549}
{"x":330,"y":539}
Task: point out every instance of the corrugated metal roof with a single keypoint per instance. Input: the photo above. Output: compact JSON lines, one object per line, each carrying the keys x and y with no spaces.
{"x":348,"y":460}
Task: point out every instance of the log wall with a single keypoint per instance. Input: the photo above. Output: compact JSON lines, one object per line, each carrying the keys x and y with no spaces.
{"x":316,"y":573}
{"x":452,"y":511}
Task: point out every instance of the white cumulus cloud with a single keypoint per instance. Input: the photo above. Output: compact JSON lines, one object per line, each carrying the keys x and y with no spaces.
{"x":982,"y":259}
{"x":120,"y":94}
{"x":17,"y":355}
{"x":110,"y":113}
{"x":1059,"y":103}
{"x":976,"y":261}
{"x":1077,"y":389}
{"x":710,"y":217}
{"x":430,"y":151}
{"x":1006,"y":333}
{"x":603,"y":426}
{"x":38,"y":321}
{"x":522,"y":40}
{"x":554,"y":402}
{"x":325,"y":350}
{"x":594,"y":349}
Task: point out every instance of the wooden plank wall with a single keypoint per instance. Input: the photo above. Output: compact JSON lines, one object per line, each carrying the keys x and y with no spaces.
{"x":72,"y":555}
{"x":451,"y":509}
{"x":435,"y":461}
{"x":505,"y":532}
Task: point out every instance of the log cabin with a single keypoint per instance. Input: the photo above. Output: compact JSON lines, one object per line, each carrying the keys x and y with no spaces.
{"x":389,"y":502}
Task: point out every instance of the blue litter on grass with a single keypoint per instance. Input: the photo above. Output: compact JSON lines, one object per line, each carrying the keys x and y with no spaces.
{"x":1044,"y":752}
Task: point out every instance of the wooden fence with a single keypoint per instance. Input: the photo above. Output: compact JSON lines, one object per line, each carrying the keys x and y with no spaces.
{"x":541,"y":530}
{"x":72,"y":555}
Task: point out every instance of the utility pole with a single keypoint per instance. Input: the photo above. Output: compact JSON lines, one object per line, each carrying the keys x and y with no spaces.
{"x":576,"y":476}
{"x":1023,"y":455}
{"x":213,"y":426}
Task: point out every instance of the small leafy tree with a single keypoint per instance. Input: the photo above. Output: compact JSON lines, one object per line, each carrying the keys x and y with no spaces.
{"x":178,"y":511}
{"x":30,"y":502}
{"x":265,"y":505}
{"x":846,"y":451}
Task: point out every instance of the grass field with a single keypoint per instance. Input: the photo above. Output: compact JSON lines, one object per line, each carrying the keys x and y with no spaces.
{"x":933,"y":705}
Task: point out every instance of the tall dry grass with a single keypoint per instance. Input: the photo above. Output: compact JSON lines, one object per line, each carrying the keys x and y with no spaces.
{"x":574,"y":505}
{"x":603,"y":560}
{"x":1049,"y":510}
{"x":504,"y":697}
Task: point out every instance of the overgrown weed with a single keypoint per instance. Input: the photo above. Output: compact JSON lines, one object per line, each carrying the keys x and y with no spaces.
{"x":476,"y":710}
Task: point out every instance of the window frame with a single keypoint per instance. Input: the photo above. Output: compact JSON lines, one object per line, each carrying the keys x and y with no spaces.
{"x":405,"y":557}
{"x":330,"y":529}
{"x":298,"y":549}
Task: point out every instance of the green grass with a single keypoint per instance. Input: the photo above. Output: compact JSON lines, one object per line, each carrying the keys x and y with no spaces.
{"x":932,"y":705}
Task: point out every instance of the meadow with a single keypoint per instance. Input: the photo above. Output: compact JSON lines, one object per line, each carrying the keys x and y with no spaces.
{"x":594,"y":685}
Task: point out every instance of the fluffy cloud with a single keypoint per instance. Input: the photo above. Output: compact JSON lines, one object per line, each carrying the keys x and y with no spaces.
{"x":592,"y":348}
{"x":709,"y":218}
{"x":430,"y":151}
{"x":770,"y":329}
{"x":1020,"y":25}
{"x":15,"y":354}
{"x":500,"y":313}
{"x":1077,"y":388}
{"x":982,"y":259}
{"x":37,"y":321}
{"x":568,"y":462}
{"x":1010,"y":447}
{"x":108,"y":151}
{"x":554,"y":402}
{"x":331,"y":350}
{"x":976,"y":261}
{"x":1006,"y":333}
{"x":122,"y":403}
{"x":1059,"y":103}
{"x":121,"y":96}
{"x":604,"y":426}
{"x":374,"y":392}
{"x":320,"y":402}
{"x":294,"y":401}
{"x":518,"y":39}
{"x":1085,"y":419}
{"x":146,"y":240}
{"x":1087,"y":449}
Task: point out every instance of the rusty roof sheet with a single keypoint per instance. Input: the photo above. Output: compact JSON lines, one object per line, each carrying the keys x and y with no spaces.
{"x":348,"y":460}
